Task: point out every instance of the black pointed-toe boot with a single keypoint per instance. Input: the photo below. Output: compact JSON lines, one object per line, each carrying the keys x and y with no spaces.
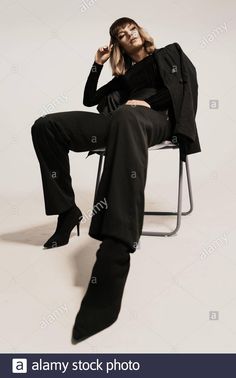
{"x":101,"y":304}
{"x":65,"y":223}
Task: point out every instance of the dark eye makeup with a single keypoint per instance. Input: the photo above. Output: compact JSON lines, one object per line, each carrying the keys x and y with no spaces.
{"x":121,"y":36}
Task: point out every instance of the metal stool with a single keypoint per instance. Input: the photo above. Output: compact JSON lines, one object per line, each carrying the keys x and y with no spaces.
{"x":163,"y":146}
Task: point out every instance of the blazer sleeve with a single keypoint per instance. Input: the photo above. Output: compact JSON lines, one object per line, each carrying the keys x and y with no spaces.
{"x":92,"y":95}
{"x":190,"y":97}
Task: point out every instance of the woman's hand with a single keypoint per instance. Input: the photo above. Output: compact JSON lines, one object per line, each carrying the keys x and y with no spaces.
{"x":138,"y":102}
{"x":103,"y":54}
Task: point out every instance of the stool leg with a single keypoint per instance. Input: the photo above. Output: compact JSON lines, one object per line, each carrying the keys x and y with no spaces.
{"x":179,"y":207}
{"x":180,"y":196}
{"x":190,"y":194}
{"x":99,"y":173}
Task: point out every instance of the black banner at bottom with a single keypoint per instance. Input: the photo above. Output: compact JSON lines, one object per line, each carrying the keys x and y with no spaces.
{"x":120,"y":365}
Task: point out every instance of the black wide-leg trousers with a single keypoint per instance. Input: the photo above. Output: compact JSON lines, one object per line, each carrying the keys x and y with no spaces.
{"x":126,"y":133}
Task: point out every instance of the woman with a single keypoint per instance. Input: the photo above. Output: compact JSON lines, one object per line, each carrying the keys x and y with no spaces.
{"x":126,"y":132}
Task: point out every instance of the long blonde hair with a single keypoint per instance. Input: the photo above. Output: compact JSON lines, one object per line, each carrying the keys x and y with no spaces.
{"x":119,"y":60}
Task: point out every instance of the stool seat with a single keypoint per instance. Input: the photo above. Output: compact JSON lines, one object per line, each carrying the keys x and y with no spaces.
{"x":164,"y":144}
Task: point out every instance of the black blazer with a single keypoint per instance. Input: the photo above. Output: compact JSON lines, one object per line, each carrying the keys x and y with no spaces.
{"x":180,"y":77}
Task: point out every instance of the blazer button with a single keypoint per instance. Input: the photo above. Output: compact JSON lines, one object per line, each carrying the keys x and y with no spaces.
{"x":181,"y":81}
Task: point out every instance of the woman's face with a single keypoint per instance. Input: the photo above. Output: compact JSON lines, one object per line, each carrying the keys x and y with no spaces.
{"x":129,"y":38}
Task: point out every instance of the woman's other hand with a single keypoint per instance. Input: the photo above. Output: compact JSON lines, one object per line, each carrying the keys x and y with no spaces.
{"x":103,"y":54}
{"x":138,"y":102}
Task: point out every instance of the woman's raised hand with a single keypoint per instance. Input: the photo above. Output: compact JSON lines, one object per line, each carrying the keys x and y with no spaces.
{"x":103,"y":54}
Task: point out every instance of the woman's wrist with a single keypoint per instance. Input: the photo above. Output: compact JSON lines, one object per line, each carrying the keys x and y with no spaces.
{"x":99,"y":63}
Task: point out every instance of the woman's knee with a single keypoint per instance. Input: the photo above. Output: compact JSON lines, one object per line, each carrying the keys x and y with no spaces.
{"x":39,"y":125}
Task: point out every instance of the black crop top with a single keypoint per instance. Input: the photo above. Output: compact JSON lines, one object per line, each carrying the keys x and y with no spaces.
{"x":142,"y":81}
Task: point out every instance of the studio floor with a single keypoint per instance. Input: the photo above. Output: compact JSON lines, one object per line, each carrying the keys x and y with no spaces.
{"x":180,"y":295}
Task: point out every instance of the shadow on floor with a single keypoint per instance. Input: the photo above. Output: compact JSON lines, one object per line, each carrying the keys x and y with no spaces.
{"x":36,"y":235}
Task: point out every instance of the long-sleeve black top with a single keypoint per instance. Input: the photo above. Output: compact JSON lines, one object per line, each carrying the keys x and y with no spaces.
{"x":142,"y":81}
